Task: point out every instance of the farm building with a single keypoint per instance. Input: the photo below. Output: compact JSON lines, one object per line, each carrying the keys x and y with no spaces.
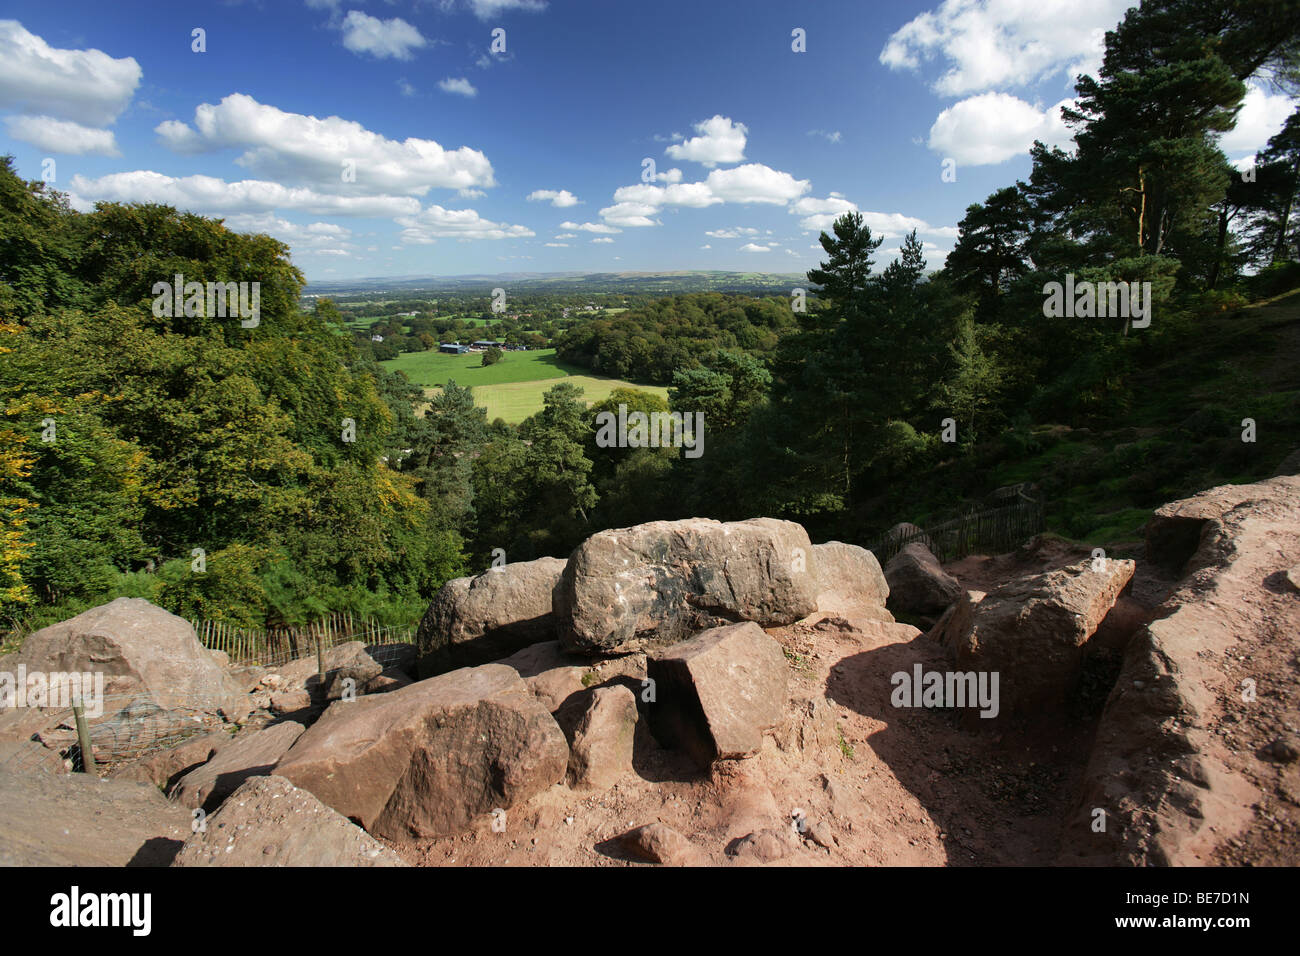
{"x":453,"y":348}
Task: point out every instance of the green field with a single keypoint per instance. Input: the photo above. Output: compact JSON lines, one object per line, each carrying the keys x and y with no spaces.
{"x":512,"y":389}
{"x":435,"y":368}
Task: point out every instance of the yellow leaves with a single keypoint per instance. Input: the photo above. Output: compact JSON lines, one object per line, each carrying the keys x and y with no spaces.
{"x":13,"y":549}
{"x":8,"y":328}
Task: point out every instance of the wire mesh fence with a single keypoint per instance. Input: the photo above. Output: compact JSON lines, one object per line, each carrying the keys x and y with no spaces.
{"x":126,"y":727}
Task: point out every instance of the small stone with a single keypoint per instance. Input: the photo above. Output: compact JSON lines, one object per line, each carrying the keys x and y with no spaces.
{"x":659,"y":843}
{"x":763,"y":846}
{"x":1284,"y":750}
{"x":819,"y":832}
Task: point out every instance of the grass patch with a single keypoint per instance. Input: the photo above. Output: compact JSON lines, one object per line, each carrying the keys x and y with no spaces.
{"x":846,"y":748}
{"x":429,"y":369}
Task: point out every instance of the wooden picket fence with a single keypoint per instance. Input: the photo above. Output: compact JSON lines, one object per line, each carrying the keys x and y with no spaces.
{"x":993,"y":530}
{"x":269,"y":647}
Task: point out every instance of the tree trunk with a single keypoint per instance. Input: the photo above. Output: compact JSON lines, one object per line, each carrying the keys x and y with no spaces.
{"x":1219,"y":246}
{"x":1142,"y":209}
{"x":1279,"y":247}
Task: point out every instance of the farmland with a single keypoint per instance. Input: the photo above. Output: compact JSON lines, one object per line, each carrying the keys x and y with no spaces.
{"x":515,"y":401}
{"x":513,"y":388}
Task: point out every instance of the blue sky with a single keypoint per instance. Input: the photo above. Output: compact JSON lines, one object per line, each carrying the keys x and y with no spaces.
{"x":387,"y":138}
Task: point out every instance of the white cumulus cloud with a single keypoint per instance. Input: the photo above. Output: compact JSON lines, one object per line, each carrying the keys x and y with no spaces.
{"x":992,"y":127}
{"x":755,"y":182}
{"x":560,"y":198}
{"x":1261,"y":117}
{"x":88,"y":87}
{"x":306,"y":149}
{"x":990,"y":43}
{"x":382,"y":39}
{"x":720,"y":141}
{"x":211,"y":196}
{"x":62,"y":136}
{"x":324,"y":238}
{"x":588,"y":227}
{"x":434,"y":222}
{"x":820,"y":214}
{"x":458,"y":85}
{"x":487,"y":9}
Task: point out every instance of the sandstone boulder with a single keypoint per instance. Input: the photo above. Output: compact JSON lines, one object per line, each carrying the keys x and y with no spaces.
{"x":1032,"y":631}
{"x":249,"y":755}
{"x":347,"y":660}
{"x":426,"y":760}
{"x":602,"y":742}
{"x":850,"y":575}
{"x":904,"y":533}
{"x":391,"y":679}
{"x":717,"y":693}
{"x":658,"y":583}
{"x":140,"y":649}
{"x":268,"y":821}
{"x":918,"y":584}
{"x":481,"y":619}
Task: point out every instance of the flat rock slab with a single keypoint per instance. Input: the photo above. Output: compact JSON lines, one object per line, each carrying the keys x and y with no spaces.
{"x":81,"y":820}
{"x":249,"y":755}
{"x":659,"y":583}
{"x":426,"y":760}
{"x":268,"y":821}
{"x":717,"y":693}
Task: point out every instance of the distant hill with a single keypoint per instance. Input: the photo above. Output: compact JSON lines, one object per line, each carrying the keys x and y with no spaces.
{"x":684,"y":281}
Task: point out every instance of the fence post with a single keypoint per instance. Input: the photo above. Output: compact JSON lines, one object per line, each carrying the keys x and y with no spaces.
{"x":83,"y":738}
